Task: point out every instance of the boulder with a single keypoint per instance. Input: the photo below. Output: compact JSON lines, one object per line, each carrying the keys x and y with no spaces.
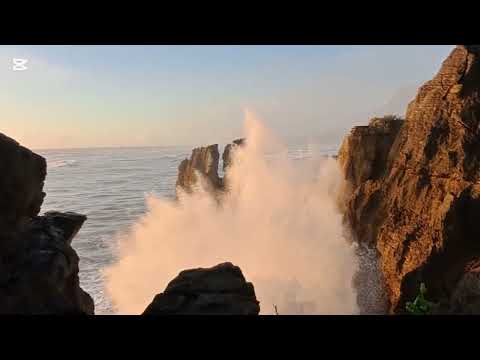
{"x":220,"y":290}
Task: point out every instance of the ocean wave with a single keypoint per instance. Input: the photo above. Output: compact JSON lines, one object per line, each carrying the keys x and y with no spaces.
{"x":61,"y":163}
{"x":171,"y":156}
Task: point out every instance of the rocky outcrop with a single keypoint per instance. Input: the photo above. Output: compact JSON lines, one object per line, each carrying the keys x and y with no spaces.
{"x":228,"y":152}
{"x":418,"y":200}
{"x":363,"y":159}
{"x":220,"y":290}
{"x":204,"y":161}
{"x":38,"y":266}
{"x":227,"y":158}
{"x":363,"y":153}
{"x":22,"y":175}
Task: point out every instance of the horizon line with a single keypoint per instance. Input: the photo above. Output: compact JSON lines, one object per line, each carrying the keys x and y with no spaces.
{"x":106,"y":147}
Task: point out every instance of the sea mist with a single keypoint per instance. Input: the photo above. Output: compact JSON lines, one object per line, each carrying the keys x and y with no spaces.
{"x":280,"y":223}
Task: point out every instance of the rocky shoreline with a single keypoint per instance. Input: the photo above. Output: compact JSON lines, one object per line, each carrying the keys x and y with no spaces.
{"x":413,"y":200}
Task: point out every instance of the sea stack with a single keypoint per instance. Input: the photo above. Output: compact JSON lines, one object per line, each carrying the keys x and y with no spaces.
{"x":416,"y":196}
{"x":204,"y":162}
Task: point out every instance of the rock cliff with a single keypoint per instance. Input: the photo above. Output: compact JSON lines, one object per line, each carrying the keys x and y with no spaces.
{"x":38,"y":266}
{"x":220,"y":290}
{"x":414,"y":188}
{"x":363,"y":153}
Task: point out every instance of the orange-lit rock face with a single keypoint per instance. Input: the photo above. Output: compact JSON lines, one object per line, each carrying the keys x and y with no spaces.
{"x":419,"y":211}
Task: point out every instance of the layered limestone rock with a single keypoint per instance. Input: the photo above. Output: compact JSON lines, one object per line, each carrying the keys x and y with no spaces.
{"x":418,"y":202}
{"x":38,"y":266}
{"x":220,"y":290}
{"x":204,"y":163}
{"x":363,"y":159}
{"x":363,"y":153}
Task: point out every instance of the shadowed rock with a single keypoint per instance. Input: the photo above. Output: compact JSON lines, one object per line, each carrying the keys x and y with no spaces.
{"x":228,"y":152}
{"x":220,"y":290}
{"x":416,"y":200}
{"x":38,"y":267}
{"x":22,"y":175}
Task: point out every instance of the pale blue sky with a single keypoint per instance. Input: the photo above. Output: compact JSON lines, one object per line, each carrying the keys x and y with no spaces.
{"x":84,"y":96}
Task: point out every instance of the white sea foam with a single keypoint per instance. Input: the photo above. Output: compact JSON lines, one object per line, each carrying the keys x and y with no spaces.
{"x":61,"y":163}
{"x":279,"y":222}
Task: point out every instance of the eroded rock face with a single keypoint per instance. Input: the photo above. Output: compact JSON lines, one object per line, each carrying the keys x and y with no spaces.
{"x":205,"y":161}
{"x":420,"y":211}
{"x":363,"y":159}
{"x":364,"y":152}
{"x":220,"y":290}
{"x":38,"y":266}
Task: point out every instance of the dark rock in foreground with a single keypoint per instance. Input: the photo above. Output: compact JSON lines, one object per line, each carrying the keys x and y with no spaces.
{"x":22,"y":175}
{"x":220,"y":290}
{"x":38,"y":267}
{"x":416,"y":196}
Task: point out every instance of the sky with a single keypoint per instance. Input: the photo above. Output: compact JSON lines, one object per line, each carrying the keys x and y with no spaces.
{"x":109,"y":96}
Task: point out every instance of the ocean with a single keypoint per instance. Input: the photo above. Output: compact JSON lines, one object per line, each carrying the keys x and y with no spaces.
{"x":109,"y":185}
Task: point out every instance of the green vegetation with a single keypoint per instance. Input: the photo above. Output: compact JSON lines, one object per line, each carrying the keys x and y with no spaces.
{"x":420,"y":306}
